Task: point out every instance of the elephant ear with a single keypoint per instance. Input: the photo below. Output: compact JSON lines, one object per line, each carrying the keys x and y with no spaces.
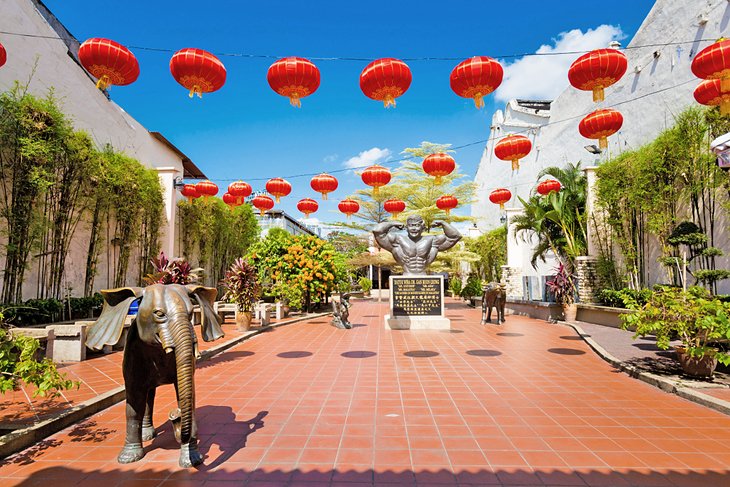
{"x":108,"y":328}
{"x":210,"y":321}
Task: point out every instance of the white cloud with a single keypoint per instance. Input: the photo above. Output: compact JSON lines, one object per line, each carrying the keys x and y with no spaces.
{"x":366,"y":158}
{"x":330,"y":158}
{"x":545,"y":77}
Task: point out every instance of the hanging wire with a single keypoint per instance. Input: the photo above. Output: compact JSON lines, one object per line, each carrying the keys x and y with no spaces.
{"x":368,"y":59}
{"x":393,"y":162}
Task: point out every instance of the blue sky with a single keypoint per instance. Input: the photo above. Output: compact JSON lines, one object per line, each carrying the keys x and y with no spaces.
{"x":246,"y":131}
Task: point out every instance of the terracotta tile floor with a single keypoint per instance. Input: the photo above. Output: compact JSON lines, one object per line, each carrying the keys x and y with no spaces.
{"x":518,"y":404}
{"x":98,"y":374}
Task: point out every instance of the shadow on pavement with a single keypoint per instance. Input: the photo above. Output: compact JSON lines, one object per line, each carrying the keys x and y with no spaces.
{"x":495,"y":476}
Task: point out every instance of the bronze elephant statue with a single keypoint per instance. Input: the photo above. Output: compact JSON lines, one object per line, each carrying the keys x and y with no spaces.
{"x":161,"y":348}
{"x":494,"y":294}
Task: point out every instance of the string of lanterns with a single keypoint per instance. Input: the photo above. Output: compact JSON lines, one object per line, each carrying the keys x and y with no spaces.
{"x":385,"y":80}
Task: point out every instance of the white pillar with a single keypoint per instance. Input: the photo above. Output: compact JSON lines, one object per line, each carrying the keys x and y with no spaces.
{"x":592,"y":215}
{"x":512,"y":272}
{"x":170,"y":196}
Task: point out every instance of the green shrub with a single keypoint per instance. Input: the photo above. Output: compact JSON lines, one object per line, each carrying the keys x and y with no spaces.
{"x":455,"y":286}
{"x":19,"y":365}
{"x":695,"y":316}
{"x":624,"y":298}
{"x":365,"y":284}
{"x":473,"y":287}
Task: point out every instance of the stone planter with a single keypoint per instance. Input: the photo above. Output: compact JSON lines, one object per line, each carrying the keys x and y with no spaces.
{"x":243,"y":320}
{"x":570,"y":312}
{"x":702,"y":367}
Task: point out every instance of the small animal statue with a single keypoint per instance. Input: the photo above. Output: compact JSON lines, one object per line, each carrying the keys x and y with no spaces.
{"x":161,"y":348}
{"x":494,"y":294}
{"x":341,"y":312}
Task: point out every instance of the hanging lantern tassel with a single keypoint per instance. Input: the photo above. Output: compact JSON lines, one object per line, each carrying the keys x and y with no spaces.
{"x":448,"y":212}
{"x":603,"y":142}
{"x":278,"y":199}
{"x":515,"y":164}
{"x":438,"y":180}
{"x":725,"y":85}
{"x":196,"y":90}
{"x":479,"y":100}
{"x":103,"y":82}
{"x":501,"y":206}
{"x":598,"y":94}
{"x":295,"y":101}
{"x":376,"y":191}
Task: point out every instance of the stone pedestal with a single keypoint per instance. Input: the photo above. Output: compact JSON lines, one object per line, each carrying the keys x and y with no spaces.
{"x":512,"y":279}
{"x":417,"y":303}
{"x":587,"y":279}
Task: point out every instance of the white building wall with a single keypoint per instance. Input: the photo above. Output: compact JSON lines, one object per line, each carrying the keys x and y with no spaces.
{"x":657,"y":85}
{"x":45,"y":63}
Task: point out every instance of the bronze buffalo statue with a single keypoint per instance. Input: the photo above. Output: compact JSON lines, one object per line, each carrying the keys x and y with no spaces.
{"x":161,"y":348}
{"x":494,"y":294}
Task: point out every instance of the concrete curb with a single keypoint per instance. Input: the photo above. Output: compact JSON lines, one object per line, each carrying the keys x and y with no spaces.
{"x":23,"y":438}
{"x":657,"y":381}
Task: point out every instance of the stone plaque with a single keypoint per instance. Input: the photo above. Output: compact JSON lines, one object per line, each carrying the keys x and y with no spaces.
{"x":417,"y":296}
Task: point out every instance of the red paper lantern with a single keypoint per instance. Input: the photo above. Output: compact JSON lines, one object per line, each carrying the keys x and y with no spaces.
{"x":713,"y":62}
{"x":3,"y":55}
{"x":263,"y":203}
{"x":108,"y":61}
{"x":597,"y":70}
{"x":500,"y":197}
{"x":206,"y":188}
{"x":439,"y":165}
{"x":198,"y":71}
{"x":447,"y":203}
{"x":548,"y":186}
{"x":476,"y":78}
{"x":324,"y":183}
{"x":376,"y":176}
{"x":230,"y":200}
{"x":709,"y":93}
{"x":240,"y":190}
{"x":307,"y":206}
{"x":394,"y":207}
{"x":600,"y":125}
{"x":349,"y":207}
{"x":278,"y":187}
{"x":190,"y":192}
{"x":293,"y":77}
{"x":513,"y":148}
{"x":385,"y":80}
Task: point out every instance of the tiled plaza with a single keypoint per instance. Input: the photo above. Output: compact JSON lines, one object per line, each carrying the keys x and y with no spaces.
{"x":524,"y":403}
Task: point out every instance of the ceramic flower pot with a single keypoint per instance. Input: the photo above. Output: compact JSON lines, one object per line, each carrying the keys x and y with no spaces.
{"x":570,"y":312}
{"x":696,"y":366}
{"x":243,"y":320}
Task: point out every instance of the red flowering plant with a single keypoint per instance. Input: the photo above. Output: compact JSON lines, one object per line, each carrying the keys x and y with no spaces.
{"x":176,"y":271}
{"x":562,"y":286}
{"x":242,"y":285}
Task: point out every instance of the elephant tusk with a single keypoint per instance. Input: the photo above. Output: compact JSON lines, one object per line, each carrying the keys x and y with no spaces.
{"x":169,"y":349}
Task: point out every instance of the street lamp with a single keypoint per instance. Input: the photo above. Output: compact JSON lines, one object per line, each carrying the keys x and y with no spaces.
{"x":593,"y":149}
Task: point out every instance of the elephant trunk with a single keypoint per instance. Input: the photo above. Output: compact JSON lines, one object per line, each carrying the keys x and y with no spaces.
{"x":182,"y":334}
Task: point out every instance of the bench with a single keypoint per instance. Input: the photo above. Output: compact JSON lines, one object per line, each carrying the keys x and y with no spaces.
{"x":262,"y":312}
{"x":45,"y":337}
{"x":70,"y":341}
{"x":282,"y":310}
{"x":222,"y":309}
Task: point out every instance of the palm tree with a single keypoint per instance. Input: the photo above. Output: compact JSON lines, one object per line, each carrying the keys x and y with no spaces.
{"x":557,"y":220}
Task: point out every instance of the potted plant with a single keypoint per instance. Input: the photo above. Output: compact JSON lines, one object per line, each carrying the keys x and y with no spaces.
{"x":698,"y":319}
{"x":562,"y":286}
{"x":366,"y":285}
{"x":242,"y":288}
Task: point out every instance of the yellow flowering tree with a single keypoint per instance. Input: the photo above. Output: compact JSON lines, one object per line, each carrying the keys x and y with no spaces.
{"x":302,"y":269}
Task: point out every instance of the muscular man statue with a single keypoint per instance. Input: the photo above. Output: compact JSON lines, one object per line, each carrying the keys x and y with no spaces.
{"x":415,"y":252}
